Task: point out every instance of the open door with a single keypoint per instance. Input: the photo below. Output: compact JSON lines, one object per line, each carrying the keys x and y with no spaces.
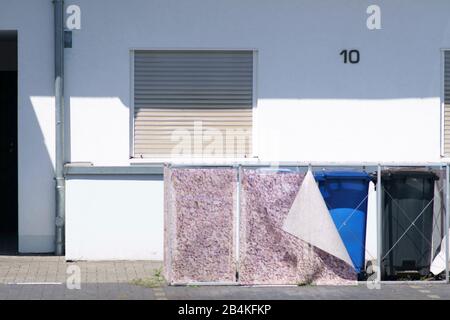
{"x":8,"y":143}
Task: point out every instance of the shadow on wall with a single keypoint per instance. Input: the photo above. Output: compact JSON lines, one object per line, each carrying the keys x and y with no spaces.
{"x":299,"y":65}
{"x":299,"y":44}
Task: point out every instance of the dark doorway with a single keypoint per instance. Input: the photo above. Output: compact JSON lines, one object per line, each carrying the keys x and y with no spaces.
{"x":8,"y":143}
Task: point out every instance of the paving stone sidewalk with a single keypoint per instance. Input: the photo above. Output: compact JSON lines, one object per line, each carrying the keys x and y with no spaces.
{"x":27,"y":269}
{"x":45,"y":277}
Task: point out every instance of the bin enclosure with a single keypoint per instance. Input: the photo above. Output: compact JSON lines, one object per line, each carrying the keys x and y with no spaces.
{"x":228,"y":225}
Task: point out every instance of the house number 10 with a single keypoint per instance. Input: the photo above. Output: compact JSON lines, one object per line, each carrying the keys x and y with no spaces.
{"x":351,"y":56}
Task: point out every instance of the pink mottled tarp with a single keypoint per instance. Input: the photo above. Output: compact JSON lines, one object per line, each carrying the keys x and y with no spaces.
{"x":200,"y":206}
{"x":269,"y":255}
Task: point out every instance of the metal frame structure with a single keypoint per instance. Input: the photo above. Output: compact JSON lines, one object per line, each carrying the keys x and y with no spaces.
{"x":447,"y":224}
{"x":368,"y":166}
{"x":379,"y":208}
{"x":442,"y":166}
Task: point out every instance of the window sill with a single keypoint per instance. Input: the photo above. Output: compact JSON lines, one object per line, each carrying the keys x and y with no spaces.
{"x":192,"y":161}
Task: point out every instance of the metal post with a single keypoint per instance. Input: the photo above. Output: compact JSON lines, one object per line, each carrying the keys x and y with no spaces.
{"x":447,"y":222}
{"x":238,"y":219}
{"x":59,"y":123}
{"x":379,"y":221}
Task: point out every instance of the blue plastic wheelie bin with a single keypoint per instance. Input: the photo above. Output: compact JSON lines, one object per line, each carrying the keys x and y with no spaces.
{"x":346,"y":194}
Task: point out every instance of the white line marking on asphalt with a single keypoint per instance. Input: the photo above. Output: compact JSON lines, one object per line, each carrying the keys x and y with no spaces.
{"x":160,"y":294}
{"x":424,"y":291}
{"x":33,"y":283}
{"x":415,"y":287}
{"x":433,"y":296}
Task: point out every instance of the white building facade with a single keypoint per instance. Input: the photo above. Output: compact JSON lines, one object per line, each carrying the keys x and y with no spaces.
{"x":332,"y":81}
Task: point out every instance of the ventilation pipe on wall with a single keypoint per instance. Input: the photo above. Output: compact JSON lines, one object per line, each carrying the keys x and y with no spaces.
{"x":59,"y":122}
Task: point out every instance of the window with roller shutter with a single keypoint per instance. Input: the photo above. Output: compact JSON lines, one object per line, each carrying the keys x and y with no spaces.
{"x":193,"y":103}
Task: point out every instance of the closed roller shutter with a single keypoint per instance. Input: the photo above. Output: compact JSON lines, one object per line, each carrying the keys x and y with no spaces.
{"x":193,"y":103}
{"x":447,"y":103}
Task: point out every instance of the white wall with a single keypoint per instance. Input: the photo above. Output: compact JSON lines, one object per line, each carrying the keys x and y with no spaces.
{"x":311,"y":106}
{"x":114,"y":218}
{"x":34,"y":22}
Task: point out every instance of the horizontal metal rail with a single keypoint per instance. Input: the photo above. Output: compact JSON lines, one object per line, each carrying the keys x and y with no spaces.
{"x":310,"y":164}
{"x":125,"y":170}
{"x":158,"y":168}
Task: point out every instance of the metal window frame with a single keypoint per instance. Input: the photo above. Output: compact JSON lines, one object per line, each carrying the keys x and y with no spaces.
{"x":131,"y":114}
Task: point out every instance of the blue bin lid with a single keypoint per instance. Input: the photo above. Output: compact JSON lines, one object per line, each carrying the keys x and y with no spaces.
{"x":341,"y":175}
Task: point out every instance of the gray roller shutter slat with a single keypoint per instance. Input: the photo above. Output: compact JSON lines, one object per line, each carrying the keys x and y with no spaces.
{"x":447,"y":103}
{"x":173,"y":90}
